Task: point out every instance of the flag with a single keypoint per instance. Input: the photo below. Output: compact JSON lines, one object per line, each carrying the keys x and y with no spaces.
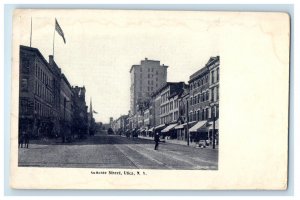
{"x":59,"y":31}
{"x":95,"y":112}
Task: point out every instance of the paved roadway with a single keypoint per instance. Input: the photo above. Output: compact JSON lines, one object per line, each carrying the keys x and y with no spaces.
{"x":110,"y":151}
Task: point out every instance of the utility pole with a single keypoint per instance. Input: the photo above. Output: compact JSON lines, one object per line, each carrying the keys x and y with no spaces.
{"x":187,"y":122}
{"x":213,"y":134}
{"x":64,"y":124}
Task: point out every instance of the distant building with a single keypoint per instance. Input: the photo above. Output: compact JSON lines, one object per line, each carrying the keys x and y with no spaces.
{"x":165,"y":105}
{"x":146,"y":78}
{"x":80,"y":117}
{"x":66,"y":107}
{"x":111,"y":119}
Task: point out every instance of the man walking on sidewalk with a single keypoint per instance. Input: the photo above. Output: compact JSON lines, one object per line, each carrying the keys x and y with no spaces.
{"x":156,"y":139}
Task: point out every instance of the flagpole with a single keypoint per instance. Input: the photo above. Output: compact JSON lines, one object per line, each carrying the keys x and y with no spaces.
{"x":53,"y":39}
{"x":30,"y":31}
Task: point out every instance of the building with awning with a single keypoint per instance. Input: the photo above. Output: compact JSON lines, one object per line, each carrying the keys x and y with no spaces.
{"x":182,"y":126}
{"x":168,"y":128}
{"x":211,"y":125}
{"x":201,"y":125}
{"x":151,"y":129}
{"x":159,"y":127}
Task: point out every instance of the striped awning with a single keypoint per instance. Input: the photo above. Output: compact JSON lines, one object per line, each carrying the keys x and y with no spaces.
{"x":199,"y":125}
{"x":168,"y":128}
{"x":211,"y":125}
{"x":151,"y":129}
{"x":182,"y":126}
{"x":160,"y":126}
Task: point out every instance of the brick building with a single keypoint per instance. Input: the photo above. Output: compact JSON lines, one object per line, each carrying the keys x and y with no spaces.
{"x":36,"y":93}
{"x":47,"y":99}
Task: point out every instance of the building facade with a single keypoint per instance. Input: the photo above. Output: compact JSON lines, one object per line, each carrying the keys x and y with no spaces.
{"x":47,"y":104}
{"x":36,"y":93}
{"x":80,"y":116}
{"x":199,"y":95}
{"x":66,"y":107}
{"x":146,"y":78}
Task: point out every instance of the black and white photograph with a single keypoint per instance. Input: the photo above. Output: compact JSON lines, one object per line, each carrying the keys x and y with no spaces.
{"x":149,"y":99}
{"x":118,"y":93}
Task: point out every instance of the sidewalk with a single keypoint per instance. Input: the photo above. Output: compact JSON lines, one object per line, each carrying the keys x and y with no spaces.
{"x":181,"y":142}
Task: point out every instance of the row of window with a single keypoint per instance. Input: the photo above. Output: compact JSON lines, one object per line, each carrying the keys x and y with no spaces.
{"x":199,"y":83}
{"x":41,"y":75}
{"x":169,"y":118}
{"x":169,"y":106}
{"x":149,"y":70}
{"x":164,"y":97}
{"x":199,"y":98}
{"x":204,"y":114}
{"x":42,"y":91}
{"x":42,"y":110}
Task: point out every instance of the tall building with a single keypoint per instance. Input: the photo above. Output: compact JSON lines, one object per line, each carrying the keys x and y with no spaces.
{"x":37,"y":96}
{"x":146,"y":78}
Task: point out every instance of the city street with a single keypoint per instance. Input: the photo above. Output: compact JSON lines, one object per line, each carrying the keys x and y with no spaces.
{"x":111,"y":151}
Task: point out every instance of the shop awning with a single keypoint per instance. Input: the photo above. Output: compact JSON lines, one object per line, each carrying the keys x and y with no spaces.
{"x":168,"y":128}
{"x":211,"y":126}
{"x":181,"y":126}
{"x":198,"y":125}
{"x":151,"y":129}
{"x":160,"y":126}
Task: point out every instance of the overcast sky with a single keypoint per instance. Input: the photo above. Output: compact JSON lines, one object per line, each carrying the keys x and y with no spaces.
{"x":101,"y":46}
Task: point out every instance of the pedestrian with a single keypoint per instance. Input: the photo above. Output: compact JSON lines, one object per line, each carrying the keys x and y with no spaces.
{"x":156,"y":139}
{"x":21,"y":138}
{"x":26,"y":139}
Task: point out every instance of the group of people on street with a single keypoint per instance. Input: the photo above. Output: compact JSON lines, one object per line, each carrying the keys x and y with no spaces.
{"x":24,"y":139}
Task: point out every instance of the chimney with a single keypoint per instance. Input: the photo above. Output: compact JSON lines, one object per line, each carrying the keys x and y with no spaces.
{"x":146,"y":59}
{"x":51,"y":60}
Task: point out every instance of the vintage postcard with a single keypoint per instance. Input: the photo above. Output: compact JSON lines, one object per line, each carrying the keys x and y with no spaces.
{"x":131,"y":99}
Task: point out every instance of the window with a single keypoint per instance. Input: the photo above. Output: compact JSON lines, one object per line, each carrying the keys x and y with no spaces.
{"x":198,"y":115}
{"x":217,"y":93}
{"x":25,"y":66}
{"x":212,"y":77}
{"x":206,"y":112}
{"x":212,"y":94}
{"x":24,"y":84}
{"x":35,"y":87}
{"x":218,"y":74}
{"x":148,"y":75}
{"x":36,"y":70}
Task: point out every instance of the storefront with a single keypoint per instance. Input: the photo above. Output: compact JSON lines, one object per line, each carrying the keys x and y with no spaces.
{"x":181,"y":130}
{"x":169,"y":131}
{"x":199,"y":132}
